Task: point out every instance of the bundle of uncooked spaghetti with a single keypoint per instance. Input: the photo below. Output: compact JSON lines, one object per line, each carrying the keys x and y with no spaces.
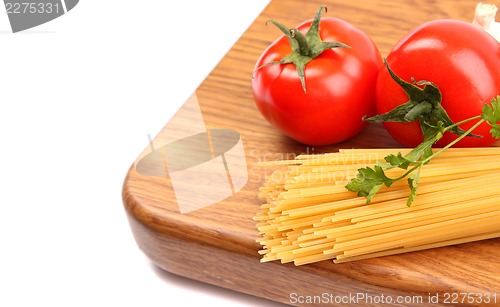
{"x":309,"y":215}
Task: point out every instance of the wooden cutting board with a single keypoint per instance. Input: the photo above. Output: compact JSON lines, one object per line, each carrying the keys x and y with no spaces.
{"x":208,"y":234}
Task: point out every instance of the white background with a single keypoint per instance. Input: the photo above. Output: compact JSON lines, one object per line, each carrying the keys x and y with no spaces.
{"x":78,"y":97}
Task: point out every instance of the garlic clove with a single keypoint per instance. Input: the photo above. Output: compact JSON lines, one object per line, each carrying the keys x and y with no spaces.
{"x":484,"y":17}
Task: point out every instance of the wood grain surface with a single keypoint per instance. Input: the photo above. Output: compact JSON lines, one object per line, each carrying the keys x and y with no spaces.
{"x":216,"y":244}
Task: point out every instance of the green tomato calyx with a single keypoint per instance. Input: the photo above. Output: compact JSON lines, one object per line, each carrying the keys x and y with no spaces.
{"x":424,"y":106}
{"x":304,"y":47}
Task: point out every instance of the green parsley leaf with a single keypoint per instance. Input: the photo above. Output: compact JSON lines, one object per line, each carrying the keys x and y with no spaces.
{"x":398,"y":160}
{"x":369,"y":181}
{"x":413,"y":184}
{"x":372,"y":193}
{"x":491,"y":114}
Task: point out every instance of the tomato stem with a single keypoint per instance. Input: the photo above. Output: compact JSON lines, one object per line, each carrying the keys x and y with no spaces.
{"x":424,"y":105}
{"x":304,"y":47}
{"x":419,"y":110}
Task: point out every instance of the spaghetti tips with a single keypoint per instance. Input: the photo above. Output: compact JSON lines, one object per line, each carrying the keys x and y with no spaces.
{"x":309,"y":216}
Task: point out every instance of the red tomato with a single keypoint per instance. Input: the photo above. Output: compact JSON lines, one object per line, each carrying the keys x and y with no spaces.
{"x":340,"y":86}
{"x":461,"y":59}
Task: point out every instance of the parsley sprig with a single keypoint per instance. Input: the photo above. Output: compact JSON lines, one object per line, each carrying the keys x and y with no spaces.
{"x":425,"y":107}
